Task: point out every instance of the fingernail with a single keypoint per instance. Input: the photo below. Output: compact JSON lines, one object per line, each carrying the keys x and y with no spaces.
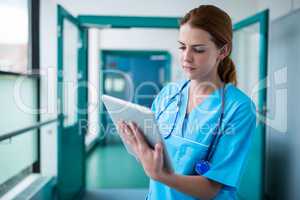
{"x":160,"y":145}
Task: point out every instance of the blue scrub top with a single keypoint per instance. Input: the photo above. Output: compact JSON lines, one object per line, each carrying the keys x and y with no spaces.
{"x":192,"y":135}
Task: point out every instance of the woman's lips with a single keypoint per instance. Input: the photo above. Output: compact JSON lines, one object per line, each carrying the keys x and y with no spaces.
{"x":189,"y":68}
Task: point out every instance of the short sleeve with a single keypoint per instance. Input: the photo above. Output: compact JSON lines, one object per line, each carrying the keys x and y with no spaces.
{"x":229,"y":158}
{"x":155,"y":104}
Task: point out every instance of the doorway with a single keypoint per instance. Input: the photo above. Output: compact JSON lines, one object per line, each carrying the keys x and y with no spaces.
{"x":250,"y":47}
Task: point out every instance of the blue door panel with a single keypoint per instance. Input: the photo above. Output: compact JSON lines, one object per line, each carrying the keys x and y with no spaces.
{"x":145,"y":78}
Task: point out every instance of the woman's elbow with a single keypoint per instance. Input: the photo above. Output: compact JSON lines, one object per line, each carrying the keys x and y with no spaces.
{"x":212,"y":190}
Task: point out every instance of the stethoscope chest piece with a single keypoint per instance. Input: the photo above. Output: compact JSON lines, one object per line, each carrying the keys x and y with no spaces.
{"x":202,"y":167}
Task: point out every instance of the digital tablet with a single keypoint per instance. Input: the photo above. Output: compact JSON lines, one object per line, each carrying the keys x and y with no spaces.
{"x":120,"y":110}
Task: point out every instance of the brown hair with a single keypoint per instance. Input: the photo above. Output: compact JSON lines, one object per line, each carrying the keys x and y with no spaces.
{"x":218,"y":24}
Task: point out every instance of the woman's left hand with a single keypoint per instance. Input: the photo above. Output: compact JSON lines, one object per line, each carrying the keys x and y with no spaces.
{"x":151,"y":159}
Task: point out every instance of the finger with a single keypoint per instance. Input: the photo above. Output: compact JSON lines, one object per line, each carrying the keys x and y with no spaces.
{"x":119,"y":123}
{"x":119,"y":127}
{"x":158,"y":154}
{"x":141,"y":142}
{"x":129,"y":134}
{"x":138,"y":134}
{"x":122,"y":130}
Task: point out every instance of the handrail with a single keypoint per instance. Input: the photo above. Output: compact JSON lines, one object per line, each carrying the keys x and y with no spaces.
{"x":23,"y":130}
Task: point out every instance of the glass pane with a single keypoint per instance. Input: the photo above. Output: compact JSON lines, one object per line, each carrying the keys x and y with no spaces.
{"x":18,"y":98}
{"x":245,"y":55}
{"x":17,"y":154}
{"x":70,"y":56}
{"x":14,"y":35}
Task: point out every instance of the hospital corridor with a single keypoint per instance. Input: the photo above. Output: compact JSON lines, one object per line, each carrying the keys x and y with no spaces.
{"x":216,"y":83}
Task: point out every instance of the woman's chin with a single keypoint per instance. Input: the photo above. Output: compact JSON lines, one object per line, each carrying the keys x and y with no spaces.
{"x":190,"y":75}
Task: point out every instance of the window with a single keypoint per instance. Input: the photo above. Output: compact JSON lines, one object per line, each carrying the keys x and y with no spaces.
{"x":19,"y":53}
{"x":15,"y":36}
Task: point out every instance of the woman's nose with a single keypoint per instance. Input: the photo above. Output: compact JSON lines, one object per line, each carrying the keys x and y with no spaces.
{"x":187,"y":55}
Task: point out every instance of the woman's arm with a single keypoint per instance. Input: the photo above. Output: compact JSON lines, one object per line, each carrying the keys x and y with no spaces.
{"x":197,"y":186}
{"x":152,"y":162}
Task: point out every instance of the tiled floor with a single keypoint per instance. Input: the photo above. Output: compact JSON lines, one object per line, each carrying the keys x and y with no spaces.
{"x":116,"y":194}
{"x":110,"y":166}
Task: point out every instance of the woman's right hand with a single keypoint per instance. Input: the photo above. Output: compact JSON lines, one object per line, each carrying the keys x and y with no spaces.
{"x":151,"y":159}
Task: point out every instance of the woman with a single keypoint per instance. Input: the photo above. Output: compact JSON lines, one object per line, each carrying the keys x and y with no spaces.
{"x":206,"y":121}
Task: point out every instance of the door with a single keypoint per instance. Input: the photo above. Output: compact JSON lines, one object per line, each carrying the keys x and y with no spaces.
{"x":250,"y":56}
{"x":135,"y":76}
{"x":72,"y":104}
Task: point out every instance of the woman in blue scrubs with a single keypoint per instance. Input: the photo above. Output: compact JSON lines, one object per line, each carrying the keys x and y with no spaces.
{"x":207,"y":122}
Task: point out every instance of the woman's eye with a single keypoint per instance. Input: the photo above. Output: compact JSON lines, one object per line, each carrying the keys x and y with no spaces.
{"x":181,"y":48}
{"x":198,"y":50}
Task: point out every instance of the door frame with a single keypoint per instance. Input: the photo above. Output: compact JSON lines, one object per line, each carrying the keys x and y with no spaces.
{"x":128,"y":22}
{"x":262,"y":18}
{"x":63,"y":14}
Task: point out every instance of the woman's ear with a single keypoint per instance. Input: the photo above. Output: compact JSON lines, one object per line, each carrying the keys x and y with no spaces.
{"x":224,"y":52}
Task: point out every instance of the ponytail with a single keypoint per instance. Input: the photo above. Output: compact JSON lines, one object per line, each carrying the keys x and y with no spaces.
{"x":227,"y":71}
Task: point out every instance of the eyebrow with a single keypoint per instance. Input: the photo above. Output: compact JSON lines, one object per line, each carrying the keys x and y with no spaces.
{"x":194,"y":45}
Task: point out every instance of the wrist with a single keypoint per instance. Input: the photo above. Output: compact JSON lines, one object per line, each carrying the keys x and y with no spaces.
{"x":167,"y":178}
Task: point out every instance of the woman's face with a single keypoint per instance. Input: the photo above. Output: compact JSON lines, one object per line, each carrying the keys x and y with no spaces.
{"x":199,"y":54}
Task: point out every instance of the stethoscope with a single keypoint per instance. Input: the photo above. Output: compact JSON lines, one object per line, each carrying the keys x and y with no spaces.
{"x":201,"y":166}
{"x":179,"y":93}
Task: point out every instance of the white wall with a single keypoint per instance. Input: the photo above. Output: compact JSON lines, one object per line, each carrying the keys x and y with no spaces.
{"x":130,"y":7}
{"x":48,"y":63}
{"x":173,"y":8}
{"x":278,"y":8}
{"x":94,"y":87}
{"x":238,"y":9}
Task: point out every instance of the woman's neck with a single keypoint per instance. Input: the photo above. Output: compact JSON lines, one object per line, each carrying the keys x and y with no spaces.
{"x":199,"y":90}
{"x":206,"y":86}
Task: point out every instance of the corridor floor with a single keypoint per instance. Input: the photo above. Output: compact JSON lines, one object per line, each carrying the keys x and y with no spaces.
{"x":110,"y":166}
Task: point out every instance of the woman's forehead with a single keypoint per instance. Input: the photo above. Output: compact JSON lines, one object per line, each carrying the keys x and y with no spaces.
{"x":191,"y":36}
